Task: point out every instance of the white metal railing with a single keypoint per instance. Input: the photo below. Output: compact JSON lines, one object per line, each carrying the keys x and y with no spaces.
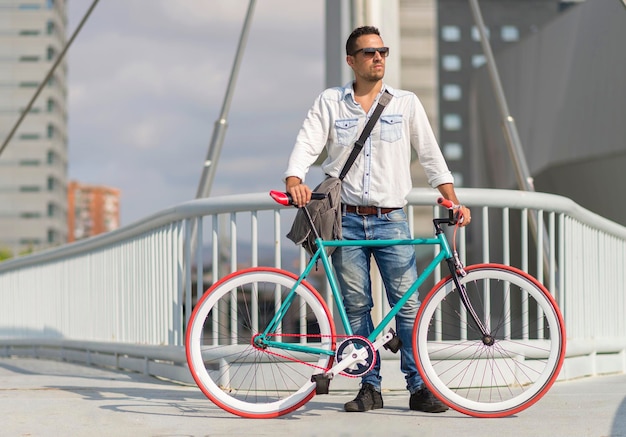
{"x":123,"y":298}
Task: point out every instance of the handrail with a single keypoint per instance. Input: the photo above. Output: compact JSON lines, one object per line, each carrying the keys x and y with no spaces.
{"x":261,"y":201}
{"x":134,"y":285}
{"x":535,"y":200}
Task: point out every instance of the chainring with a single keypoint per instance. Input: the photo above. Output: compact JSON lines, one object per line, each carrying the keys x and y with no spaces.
{"x":349,"y":346}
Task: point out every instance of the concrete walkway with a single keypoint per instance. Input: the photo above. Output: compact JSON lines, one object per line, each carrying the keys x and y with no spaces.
{"x":51,"y":398}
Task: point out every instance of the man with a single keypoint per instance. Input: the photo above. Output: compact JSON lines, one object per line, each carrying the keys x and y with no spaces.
{"x":373,"y":196}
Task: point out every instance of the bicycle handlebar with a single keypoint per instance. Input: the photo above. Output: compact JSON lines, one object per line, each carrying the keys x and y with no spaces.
{"x":286,"y":200}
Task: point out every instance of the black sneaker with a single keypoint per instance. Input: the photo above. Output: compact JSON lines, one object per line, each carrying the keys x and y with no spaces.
{"x":424,"y":400}
{"x":368,"y":399}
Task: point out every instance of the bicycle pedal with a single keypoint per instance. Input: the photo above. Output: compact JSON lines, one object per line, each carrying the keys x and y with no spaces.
{"x":394,"y":344}
{"x":322,"y":382}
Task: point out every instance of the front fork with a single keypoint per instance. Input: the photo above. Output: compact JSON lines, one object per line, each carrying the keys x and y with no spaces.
{"x":458,"y":271}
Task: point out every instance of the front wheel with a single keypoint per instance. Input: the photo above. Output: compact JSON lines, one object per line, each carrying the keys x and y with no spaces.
{"x":230,"y":364}
{"x":505,"y":371}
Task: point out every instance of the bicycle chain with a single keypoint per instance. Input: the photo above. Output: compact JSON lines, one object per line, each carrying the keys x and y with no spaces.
{"x":300,"y":361}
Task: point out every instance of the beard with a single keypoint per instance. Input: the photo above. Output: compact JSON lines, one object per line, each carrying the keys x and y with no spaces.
{"x":374,"y":74}
{"x":377,"y":73}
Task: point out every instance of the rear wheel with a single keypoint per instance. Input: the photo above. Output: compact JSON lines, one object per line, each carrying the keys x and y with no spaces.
{"x":232,"y":370}
{"x":509,"y":369}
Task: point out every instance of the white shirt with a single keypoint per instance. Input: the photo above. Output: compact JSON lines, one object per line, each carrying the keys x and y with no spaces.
{"x":381,"y":174}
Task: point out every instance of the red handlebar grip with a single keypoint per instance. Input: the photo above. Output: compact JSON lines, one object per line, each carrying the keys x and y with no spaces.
{"x":445,"y":203}
{"x":285,"y":198}
{"x":281,"y":197}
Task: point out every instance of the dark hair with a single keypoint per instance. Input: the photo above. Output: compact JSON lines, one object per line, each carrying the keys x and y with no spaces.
{"x":359,"y":31}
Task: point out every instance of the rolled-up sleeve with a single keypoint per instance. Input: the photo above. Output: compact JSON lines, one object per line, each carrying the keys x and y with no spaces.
{"x":429,"y":154}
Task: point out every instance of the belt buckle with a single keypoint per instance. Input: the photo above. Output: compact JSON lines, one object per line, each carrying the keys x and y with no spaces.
{"x":357,"y":210}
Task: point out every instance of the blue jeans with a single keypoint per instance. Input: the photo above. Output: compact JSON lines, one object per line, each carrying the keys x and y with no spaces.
{"x":398,"y":271}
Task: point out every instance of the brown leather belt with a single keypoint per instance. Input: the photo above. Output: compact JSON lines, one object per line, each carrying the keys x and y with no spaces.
{"x":368,"y":210}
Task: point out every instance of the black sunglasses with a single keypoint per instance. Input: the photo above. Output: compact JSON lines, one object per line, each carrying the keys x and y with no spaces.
{"x":369,"y":52}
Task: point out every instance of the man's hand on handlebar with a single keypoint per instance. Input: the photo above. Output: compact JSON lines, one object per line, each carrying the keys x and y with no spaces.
{"x":465,"y":215}
{"x":461,"y":213}
{"x":299,"y":192}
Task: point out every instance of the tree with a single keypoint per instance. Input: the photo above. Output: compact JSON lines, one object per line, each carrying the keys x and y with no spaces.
{"x":5,"y":254}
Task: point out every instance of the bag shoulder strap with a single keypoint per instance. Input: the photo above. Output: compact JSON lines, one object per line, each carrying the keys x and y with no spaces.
{"x":382,"y":102}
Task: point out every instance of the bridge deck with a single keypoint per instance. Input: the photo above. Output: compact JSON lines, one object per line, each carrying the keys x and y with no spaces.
{"x":50,"y":398}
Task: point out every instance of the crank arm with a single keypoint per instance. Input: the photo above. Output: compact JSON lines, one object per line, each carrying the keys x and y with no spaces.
{"x":383,"y":340}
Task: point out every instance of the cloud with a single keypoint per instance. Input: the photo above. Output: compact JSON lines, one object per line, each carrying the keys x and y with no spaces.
{"x":114,"y":68}
{"x":194,"y":14}
{"x":147,"y":80}
{"x":144,"y":134}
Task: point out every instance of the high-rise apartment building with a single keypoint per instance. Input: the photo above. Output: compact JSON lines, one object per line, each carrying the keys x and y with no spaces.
{"x":92,"y":210}
{"x":33,"y":167}
{"x":565,"y":87}
{"x":460,"y":52}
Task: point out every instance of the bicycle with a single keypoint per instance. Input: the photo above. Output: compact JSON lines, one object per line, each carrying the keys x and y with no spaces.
{"x":488,"y":340}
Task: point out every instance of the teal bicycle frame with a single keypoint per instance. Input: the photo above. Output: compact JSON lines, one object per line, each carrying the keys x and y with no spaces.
{"x":445,"y":253}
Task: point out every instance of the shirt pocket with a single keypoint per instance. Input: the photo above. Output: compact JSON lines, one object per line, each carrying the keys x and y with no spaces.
{"x":390,"y":128}
{"x":345,"y":131}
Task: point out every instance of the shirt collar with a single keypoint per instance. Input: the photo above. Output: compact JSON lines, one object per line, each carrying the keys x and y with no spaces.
{"x":348,"y":90}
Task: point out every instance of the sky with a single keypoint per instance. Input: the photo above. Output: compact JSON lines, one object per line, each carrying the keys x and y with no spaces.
{"x":147,"y":81}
